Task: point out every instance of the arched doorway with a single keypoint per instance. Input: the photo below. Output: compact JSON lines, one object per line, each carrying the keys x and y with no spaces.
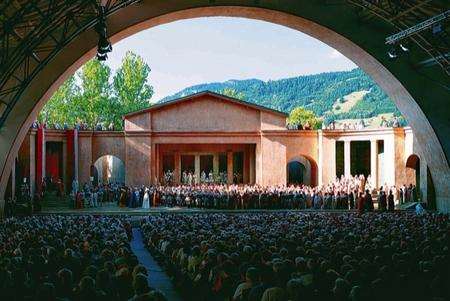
{"x":413,"y":171}
{"x":110,"y":169}
{"x":362,"y":44}
{"x":301,"y":170}
{"x":296,"y":172}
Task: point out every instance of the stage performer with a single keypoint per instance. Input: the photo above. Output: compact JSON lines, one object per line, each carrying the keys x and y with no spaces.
{"x":123,"y":198}
{"x":146,"y":200}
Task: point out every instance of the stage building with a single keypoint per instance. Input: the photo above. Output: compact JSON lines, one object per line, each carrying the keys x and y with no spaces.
{"x":213,"y":133}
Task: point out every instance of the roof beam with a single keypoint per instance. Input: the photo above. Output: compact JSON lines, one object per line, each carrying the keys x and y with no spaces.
{"x":417,"y":28}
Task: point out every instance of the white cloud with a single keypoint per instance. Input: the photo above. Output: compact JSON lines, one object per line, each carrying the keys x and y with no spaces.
{"x":335,"y":54}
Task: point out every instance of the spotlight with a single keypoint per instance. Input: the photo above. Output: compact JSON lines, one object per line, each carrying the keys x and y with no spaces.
{"x":392,"y":53}
{"x":404,"y":48}
{"x":102,"y":56}
{"x":104,"y":46}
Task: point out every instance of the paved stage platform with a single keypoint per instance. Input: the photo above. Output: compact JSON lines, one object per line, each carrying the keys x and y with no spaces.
{"x":113,"y":209}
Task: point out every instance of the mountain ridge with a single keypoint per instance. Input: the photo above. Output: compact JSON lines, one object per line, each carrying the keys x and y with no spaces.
{"x":322,"y":93}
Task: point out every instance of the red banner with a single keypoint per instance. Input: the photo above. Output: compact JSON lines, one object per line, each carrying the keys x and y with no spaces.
{"x":39,"y":152}
{"x":70,"y":170}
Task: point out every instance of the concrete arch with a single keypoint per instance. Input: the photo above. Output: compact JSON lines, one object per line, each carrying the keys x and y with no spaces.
{"x":362,"y":44}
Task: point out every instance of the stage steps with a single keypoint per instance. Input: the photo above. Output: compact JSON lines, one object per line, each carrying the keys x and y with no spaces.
{"x":51,"y":200}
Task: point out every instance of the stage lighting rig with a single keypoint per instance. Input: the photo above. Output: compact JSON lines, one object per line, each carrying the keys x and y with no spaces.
{"x":104,"y":45}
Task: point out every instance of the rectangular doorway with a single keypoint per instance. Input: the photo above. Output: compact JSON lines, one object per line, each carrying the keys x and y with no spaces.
{"x":339,"y":158}
{"x":187,"y":163}
{"x":168,"y":162}
{"x":206,"y":164}
{"x":360,"y":158}
{"x":238,"y":167}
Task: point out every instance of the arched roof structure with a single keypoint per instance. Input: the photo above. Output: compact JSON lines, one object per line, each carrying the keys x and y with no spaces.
{"x":42,"y":42}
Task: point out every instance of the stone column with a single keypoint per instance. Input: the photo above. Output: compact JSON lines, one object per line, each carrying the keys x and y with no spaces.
{"x":177,"y":171}
{"x":258,"y":164}
{"x":389,"y":161}
{"x":347,"y":159}
{"x":251,"y":158}
{"x":320,"y":156}
{"x":374,"y":163}
{"x":230,"y":167}
{"x":197,"y":169}
{"x":215,"y":164}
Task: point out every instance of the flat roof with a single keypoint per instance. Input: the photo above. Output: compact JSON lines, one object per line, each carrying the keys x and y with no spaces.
{"x":205,"y":93}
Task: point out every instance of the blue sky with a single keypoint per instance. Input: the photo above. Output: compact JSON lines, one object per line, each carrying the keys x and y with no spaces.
{"x":196,"y":51}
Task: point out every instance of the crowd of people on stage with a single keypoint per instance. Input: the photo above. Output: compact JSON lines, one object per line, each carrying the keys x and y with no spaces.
{"x":304,"y":256}
{"x":70,"y":258}
{"x":90,"y":196}
{"x":101,"y":126}
{"x":360,"y":124}
{"x":188,"y":177}
{"x":344,"y":193}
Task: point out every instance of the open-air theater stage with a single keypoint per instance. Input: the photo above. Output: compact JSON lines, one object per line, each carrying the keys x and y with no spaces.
{"x":212,"y":133}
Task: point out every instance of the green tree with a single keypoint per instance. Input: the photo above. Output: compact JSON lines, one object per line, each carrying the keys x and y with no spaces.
{"x":59,"y":107}
{"x":301,"y":116}
{"x":131,"y":89}
{"x":95,"y":103}
{"x":90,"y":96}
{"x":233,"y":93}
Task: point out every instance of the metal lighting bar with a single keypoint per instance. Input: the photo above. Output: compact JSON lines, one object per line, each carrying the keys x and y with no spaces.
{"x":417,"y":28}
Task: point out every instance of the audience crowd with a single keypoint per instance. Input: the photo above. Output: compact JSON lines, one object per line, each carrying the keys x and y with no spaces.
{"x":304,"y":256}
{"x":70,"y":258}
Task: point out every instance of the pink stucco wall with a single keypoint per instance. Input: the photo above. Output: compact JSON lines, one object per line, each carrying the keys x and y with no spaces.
{"x":108,"y":143}
{"x":205,"y":114}
{"x":138,"y":160}
{"x":138,"y":122}
{"x":84,"y":157}
{"x":270,"y":121}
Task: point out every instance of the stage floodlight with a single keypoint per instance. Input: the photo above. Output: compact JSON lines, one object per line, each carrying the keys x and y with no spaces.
{"x":102,"y":56}
{"x":392,"y":53}
{"x":104,"y":45}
